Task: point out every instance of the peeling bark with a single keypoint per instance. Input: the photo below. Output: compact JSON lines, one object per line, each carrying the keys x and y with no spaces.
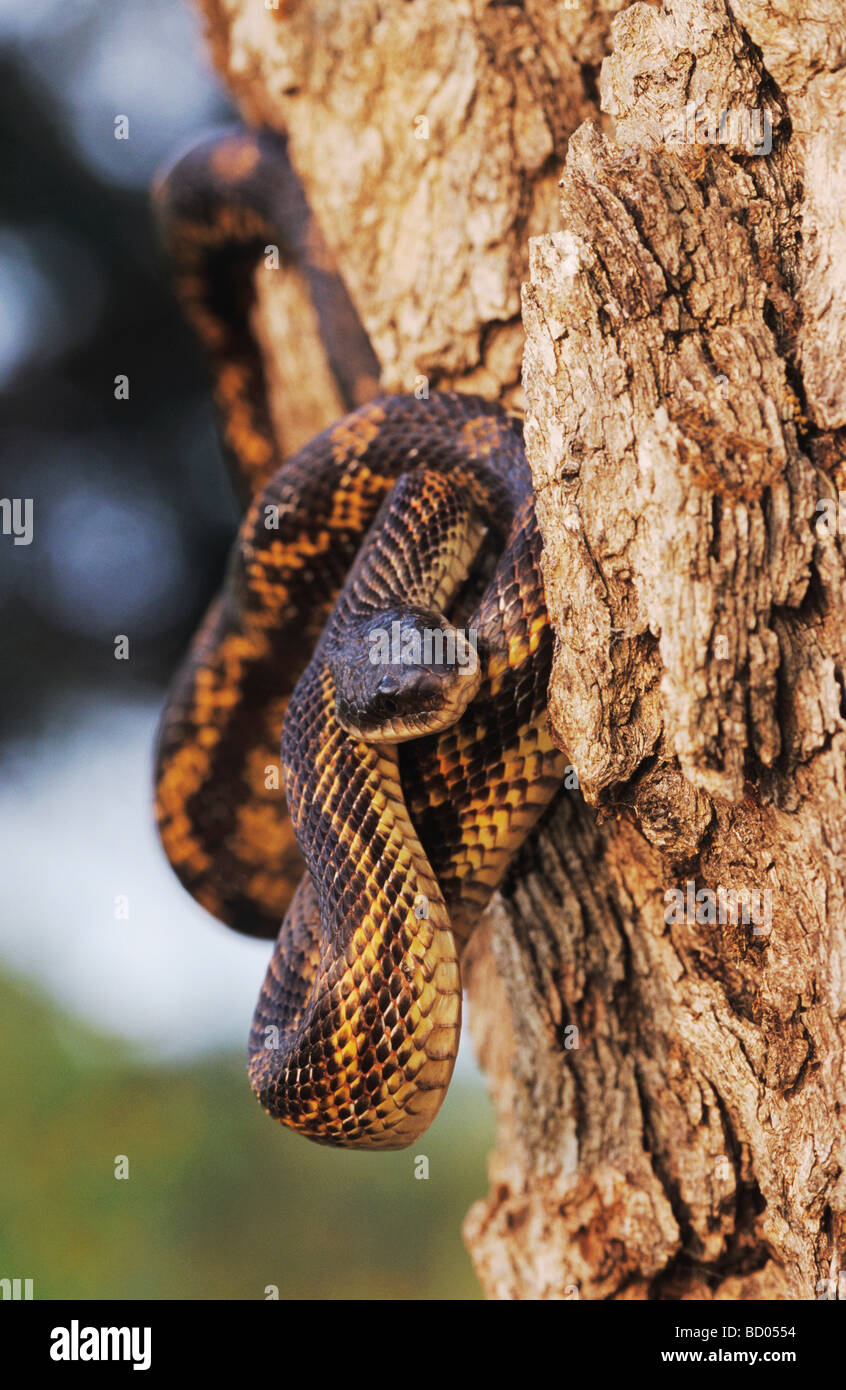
{"x":669,"y":1087}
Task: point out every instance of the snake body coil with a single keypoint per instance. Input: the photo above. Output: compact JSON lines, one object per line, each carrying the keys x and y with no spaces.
{"x":412,"y":773}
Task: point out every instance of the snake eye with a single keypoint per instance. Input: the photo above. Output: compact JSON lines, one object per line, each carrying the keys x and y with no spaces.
{"x":388,"y":686}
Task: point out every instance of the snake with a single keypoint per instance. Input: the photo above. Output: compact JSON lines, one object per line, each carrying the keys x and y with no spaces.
{"x":357,"y":742}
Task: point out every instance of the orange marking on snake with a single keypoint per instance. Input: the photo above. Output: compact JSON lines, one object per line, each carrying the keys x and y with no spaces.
{"x":235,"y":159}
{"x":253,"y":448}
{"x":353,"y":436}
{"x":480,"y":436}
{"x":185,"y":772}
{"x":260,"y":834}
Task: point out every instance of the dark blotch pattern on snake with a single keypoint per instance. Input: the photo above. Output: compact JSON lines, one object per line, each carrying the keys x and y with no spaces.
{"x":409,"y":780}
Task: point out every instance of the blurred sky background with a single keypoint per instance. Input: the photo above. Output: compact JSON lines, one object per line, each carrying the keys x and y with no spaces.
{"x":132,"y":520}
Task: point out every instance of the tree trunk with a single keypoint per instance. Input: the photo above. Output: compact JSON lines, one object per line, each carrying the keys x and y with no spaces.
{"x":658,"y":993}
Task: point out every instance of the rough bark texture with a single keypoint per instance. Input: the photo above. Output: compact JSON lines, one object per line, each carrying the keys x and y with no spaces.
{"x":669,"y":1087}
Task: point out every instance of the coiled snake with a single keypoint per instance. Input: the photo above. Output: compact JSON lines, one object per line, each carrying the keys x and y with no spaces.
{"x":409,"y":693}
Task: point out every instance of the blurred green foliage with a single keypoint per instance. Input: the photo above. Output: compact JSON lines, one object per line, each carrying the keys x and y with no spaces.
{"x":220,"y":1202}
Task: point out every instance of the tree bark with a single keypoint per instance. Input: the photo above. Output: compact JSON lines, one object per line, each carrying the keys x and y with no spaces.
{"x":668,"y":1078}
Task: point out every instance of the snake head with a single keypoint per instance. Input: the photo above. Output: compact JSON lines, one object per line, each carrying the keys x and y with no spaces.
{"x":402,"y":674}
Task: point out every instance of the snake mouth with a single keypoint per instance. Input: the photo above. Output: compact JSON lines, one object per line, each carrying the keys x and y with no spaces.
{"x":403,"y":675}
{"x":409,"y":702}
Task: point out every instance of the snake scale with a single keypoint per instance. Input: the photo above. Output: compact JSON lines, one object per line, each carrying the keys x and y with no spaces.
{"x":383,"y":622}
